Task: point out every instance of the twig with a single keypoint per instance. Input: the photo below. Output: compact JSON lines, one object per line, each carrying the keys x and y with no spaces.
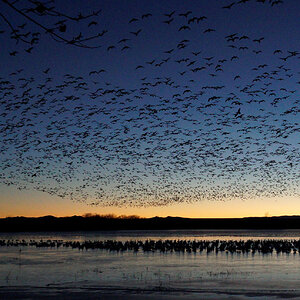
{"x":72,"y":42}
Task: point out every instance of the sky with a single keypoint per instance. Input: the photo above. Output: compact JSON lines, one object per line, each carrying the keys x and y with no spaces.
{"x":154,"y":108}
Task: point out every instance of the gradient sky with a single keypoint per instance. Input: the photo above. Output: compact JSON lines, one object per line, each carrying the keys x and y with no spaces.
{"x":151,"y":134}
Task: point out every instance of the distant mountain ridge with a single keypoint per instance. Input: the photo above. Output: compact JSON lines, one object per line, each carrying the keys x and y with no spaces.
{"x":94,"y":223}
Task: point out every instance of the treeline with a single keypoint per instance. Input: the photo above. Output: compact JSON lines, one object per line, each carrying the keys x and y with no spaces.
{"x":110,"y":216}
{"x":112,"y":222}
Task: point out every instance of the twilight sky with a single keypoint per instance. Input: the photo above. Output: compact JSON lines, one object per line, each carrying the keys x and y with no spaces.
{"x":187,"y":108}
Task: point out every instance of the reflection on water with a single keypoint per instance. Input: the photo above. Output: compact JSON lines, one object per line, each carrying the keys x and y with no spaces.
{"x":32,"y":266}
{"x":124,"y":235}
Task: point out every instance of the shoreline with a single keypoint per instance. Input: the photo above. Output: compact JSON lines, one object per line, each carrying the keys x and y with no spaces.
{"x":110,"y":293}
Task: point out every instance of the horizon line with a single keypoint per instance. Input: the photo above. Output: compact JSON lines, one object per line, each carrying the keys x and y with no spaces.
{"x":114,"y":216}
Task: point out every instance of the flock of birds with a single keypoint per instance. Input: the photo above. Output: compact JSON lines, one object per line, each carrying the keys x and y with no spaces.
{"x":161,"y":139}
{"x":169,"y":246}
{"x":37,"y":11}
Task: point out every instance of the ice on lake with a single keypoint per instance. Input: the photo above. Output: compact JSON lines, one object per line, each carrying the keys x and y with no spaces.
{"x":111,"y":270}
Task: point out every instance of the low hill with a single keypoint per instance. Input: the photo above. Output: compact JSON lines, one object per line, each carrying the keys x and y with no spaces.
{"x":91,"y":223}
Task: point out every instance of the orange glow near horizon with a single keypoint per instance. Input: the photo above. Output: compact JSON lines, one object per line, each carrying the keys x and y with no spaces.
{"x":34,"y":204}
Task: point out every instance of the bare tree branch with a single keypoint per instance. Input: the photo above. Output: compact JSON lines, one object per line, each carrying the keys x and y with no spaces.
{"x":73,"y":42}
{"x":18,"y":36}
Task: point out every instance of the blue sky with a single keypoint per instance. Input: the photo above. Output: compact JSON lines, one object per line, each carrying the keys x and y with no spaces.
{"x":182,"y":115}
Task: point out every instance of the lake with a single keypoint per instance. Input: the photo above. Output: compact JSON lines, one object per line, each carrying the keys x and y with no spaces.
{"x":30,"y":270}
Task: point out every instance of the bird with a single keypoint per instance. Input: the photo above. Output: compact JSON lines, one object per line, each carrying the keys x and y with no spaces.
{"x":196,"y":53}
{"x":146,"y":15}
{"x":123,"y":40}
{"x":209,"y":30}
{"x":133,"y":20}
{"x":228,"y":6}
{"x":184,"y":27}
{"x":92,"y":23}
{"x":168,"y":21}
{"x":136,"y":33}
{"x":238,"y":113}
{"x":169,"y":15}
{"x":185,"y":14}
{"x":28,"y":50}
{"x":259,"y":40}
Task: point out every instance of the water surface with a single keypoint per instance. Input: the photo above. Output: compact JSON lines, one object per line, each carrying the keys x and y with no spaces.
{"x":112,"y":270}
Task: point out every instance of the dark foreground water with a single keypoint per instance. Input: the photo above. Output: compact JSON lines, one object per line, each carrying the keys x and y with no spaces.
{"x":31,"y":272}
